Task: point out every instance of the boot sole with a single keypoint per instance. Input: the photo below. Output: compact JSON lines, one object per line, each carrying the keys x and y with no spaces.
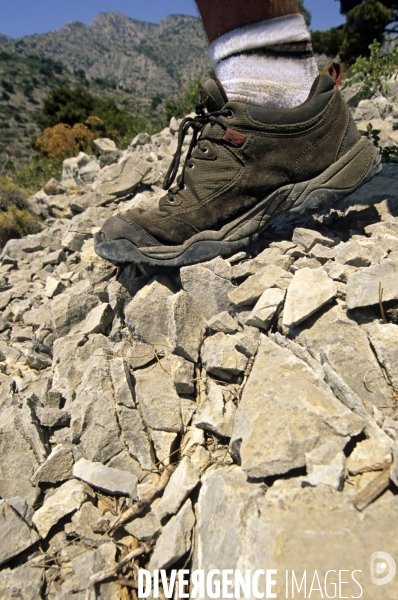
{"x":342,"y":178}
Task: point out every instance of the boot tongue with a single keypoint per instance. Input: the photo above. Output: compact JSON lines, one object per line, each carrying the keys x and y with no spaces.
{"x":213,"y":95}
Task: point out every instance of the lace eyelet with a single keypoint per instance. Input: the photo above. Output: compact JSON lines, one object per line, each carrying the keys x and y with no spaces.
{"x":230,"y":114}
{"x":171,"y":200}
{"x":190,"y":165}
{"x":204,"y":150}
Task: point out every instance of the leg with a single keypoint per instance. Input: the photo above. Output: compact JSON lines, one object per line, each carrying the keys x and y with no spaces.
{"x":221,"y":16}
{"x":261,"y":50}
{"x":265,"y":146}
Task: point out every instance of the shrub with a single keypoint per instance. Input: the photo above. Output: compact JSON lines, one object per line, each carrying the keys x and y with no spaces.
{"x":15,"y":218}
{"x":71,"y":106}
{"x":374,"y":72}
{"x":63,"y":141}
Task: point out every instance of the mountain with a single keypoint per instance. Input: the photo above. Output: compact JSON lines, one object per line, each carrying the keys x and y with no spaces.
{"x":138,"y":64}
{"x":140,"y":57}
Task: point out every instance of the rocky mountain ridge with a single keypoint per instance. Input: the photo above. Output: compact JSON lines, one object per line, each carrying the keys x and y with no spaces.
{"x":144,"y":58}
{"x":235,"y":414}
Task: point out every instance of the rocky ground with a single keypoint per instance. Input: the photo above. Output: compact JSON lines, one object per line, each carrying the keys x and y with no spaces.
{"x":237,"y":414}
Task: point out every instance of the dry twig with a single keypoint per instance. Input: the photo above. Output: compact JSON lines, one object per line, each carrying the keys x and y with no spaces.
{"x":373,"y":490}
{"x":139,"y":507}
{"x":383,"y":314}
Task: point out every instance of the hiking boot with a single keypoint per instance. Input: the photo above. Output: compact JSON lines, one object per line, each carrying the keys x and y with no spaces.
{"x":245,"y":165}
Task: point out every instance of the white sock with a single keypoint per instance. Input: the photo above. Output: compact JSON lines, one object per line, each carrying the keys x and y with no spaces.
{"x":267,"y":64}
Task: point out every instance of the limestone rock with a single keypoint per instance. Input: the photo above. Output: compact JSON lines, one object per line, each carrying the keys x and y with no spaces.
{"x":105,"y":478}
{"x":175,"y":540}
{"x":68,"y":498}
{"x":308,"y":238}
{"x":82,"y":522}
{"x":16,"y":534}
{"x":369,"y":455}
{"x":144,"y":528}
{"x":122,"y":384}
{"x":217,"y":411}
{"x":290,"y":518}
{"x":250,"y":291}
{"x":19,"y":458}
{"x":223,"y":322}
{"x":188,"y":326}
{"x":325,"y":465}
{"x":148,"y":314}
{"x":164,"y":443}
{"x":53,"y":287}
{"x":183,"y":374}
{"x":57,"y":467}
{"x":98,"y":319}
{"x":298,"y":408}
{"x":266,"y":308}
{"x":184,"y":479}
{"x":95,"y":561}
{"x":346,"y":347}
{"x":221,"y":358}
{"x":72,"y":240}
{"x":309,"y":291}
{"x":363,"y":287}
{"x":384,"y":339}
{"x":121,"y":178}
{"x":209,"y":284}
{"x":23,"y":582}
{"x":158,"y":400}
{"x":93,"y":420}
{"x":353,"y":254}
{"x":339,"y":272}
{"x":135,"y":436}
{"x":70,"y":308}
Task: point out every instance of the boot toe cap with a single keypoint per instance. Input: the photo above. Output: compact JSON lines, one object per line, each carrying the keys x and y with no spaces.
{"x":121,"y":228}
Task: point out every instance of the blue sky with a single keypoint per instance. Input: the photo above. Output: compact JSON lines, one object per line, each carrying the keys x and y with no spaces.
{"x":25,"y":17}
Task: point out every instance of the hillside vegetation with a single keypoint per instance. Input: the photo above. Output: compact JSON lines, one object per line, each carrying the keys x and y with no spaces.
{"x":136,"y":66}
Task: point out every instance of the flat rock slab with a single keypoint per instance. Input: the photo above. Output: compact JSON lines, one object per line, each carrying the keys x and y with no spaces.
{"x":15,"y":533}
{"x":123,"y":177}
{"x":264,"y":311}
{"x":209,"y":283}
{"x":175,"y":540}
{"x":221,"y":357}
{"x":309,"y":291}
{"x":18,"y":459}
{"x":348,"y":352}
{"x":58,"y":466}
{"x":285,"y":400}
{"x":308,"y":238}
{"x":107,"y":479}
{"x":363,"y":287}
{"x":250,"y":291}
{"x":384,"y":339}
{"x":68,"y":498}
{"x":159,"y":403}
{"x":288,"y":527}
{"x":184,"y":479}
{"x":216,"y":413}
{"x":25,"y":583}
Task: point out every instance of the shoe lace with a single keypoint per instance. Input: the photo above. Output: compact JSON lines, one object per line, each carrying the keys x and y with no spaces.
{"x":197,"y":124}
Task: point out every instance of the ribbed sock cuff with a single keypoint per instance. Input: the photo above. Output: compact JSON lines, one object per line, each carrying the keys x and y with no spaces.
{"x":282,"y":30}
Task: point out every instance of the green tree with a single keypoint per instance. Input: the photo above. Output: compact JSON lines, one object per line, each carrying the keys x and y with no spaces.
{"x":366,"y":20}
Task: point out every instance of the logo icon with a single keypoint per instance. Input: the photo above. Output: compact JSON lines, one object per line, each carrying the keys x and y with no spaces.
{"x":382,"y":563}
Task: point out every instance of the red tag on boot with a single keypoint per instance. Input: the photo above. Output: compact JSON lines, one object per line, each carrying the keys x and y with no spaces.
{"x":235,"y":138}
